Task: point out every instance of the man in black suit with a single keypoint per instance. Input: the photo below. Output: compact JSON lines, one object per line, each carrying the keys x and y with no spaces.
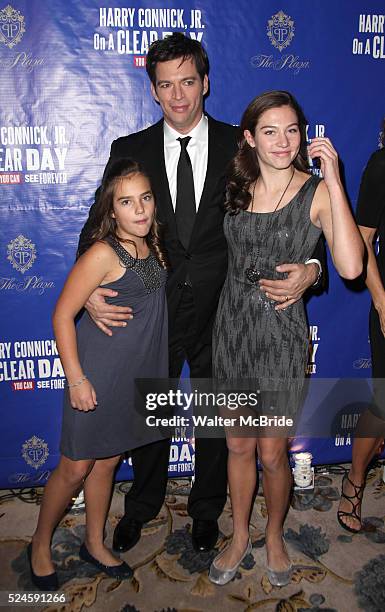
{"x":178,"y":69}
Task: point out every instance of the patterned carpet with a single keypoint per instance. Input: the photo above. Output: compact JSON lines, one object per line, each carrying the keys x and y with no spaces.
{"x":334,"y":571}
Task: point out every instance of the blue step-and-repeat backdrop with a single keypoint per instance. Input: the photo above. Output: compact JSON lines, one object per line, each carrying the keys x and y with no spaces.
{"x":72,"y":80}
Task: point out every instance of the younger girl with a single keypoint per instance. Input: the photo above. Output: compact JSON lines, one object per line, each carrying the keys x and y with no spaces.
{"x":99,"y":420}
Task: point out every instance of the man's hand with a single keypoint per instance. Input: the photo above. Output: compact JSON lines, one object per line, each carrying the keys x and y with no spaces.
{"x":289,"y":290}
{"x":105,"y":315}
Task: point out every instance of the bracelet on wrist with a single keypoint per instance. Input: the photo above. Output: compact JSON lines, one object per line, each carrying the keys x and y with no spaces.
{"x":79,"y":382}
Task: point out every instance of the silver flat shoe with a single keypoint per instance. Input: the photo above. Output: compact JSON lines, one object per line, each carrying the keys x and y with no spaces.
{"x":223,"y":576}
{"x":281,"y":578}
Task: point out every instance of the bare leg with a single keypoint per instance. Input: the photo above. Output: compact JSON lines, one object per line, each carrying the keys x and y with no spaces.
{"x":63,"y":483}
{"x":97,"y":493}
{"x":363,"y":452}
{"x":277,"y":482}
{"x":242,"y":481}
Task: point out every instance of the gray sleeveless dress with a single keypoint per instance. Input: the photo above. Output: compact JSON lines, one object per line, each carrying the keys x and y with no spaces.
{"x":251,"y":340}
{"x":139,"y":350}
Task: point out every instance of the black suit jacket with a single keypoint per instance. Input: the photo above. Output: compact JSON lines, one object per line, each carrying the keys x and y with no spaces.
{"x":205,"y":262}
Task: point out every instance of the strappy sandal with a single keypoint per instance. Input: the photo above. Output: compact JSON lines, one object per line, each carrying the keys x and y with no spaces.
{"x":358,"y":493}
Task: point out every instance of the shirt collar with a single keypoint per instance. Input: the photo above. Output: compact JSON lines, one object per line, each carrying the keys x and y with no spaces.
{"x":199,"y":132}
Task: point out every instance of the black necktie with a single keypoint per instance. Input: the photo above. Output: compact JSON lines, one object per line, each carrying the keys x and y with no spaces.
{"x":185,"y":209}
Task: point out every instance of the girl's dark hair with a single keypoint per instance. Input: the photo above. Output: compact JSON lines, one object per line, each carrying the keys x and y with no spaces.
{"x":103,"y":226}
{"x":176,"y":46}
{"x":243,"y":169}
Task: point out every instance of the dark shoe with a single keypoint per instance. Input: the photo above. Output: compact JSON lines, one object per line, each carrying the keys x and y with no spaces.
{"x":356,"y":505}
{"x":120,"y":572}
{"x":204,"y":535}
{"x":127,"y":534}
{"x":43,"y":583}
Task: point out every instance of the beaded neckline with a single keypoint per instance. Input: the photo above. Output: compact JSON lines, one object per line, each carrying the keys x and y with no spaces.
{"x":148,"y":269}
{"x":125,"y":257}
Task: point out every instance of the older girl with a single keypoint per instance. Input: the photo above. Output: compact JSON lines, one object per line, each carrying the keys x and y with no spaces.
{"x":276,"y":212}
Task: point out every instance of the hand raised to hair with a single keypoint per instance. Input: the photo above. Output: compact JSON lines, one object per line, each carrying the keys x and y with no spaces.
{"x":325,"y":151}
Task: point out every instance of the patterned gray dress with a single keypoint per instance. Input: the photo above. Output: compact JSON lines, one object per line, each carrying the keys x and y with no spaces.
{"x":139,"y":350}
{"x":252,"y":341}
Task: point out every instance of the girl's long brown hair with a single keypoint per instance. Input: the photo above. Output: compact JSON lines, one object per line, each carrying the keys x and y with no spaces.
{"x":102,"y":225}
{"x":244,"y":169}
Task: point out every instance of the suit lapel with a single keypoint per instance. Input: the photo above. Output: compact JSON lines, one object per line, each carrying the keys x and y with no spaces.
{"x":215,"y":166}
{"x":157,"y":167}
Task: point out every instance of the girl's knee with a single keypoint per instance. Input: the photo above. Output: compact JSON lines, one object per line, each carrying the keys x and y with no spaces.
{"x":241,"y":446}
{"x":74,"y":472}
{"x":273,"y":459}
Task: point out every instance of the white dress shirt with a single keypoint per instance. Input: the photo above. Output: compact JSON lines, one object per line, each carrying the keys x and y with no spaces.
{"x":198,"y":151}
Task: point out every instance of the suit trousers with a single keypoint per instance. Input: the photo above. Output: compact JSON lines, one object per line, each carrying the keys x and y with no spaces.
{"x":377,"y":346}
{"x":209,"y":491}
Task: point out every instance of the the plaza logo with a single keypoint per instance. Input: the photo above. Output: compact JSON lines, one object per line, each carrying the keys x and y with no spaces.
{"x":364,"y":363}
{"x":35,"y":452}
{"x":21,"y":253}
{"x":280,"y":30}
{"x":12,"y":26}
